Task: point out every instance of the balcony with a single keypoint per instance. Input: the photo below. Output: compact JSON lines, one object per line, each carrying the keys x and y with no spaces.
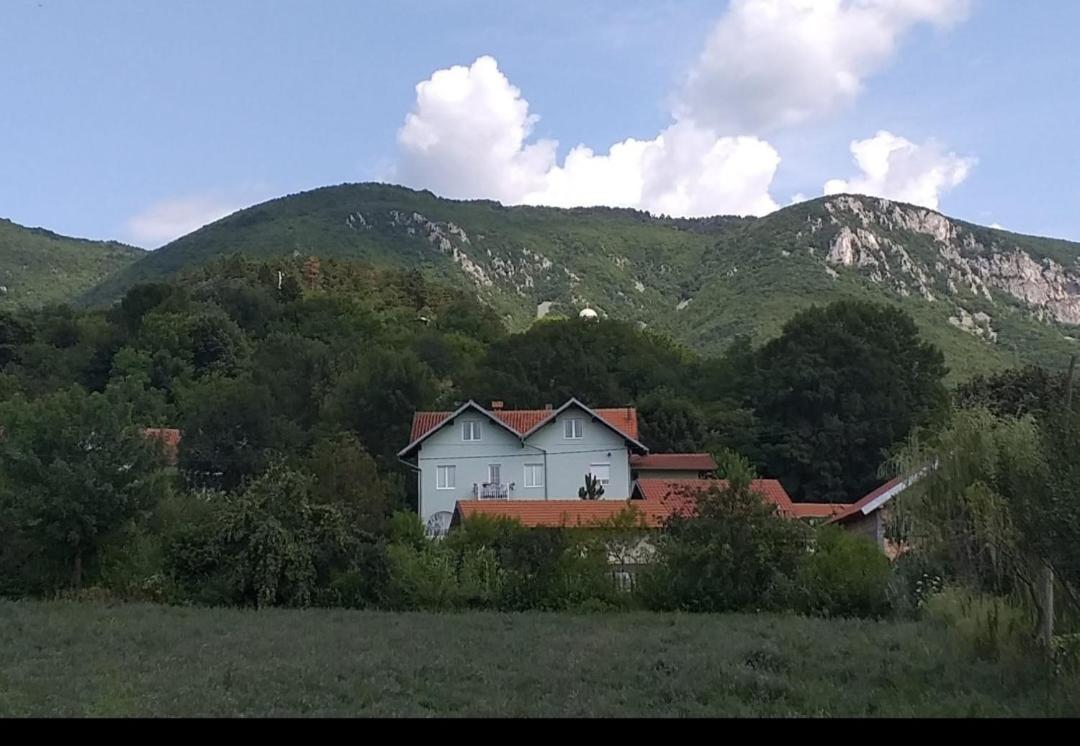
{"x":491,"y":491}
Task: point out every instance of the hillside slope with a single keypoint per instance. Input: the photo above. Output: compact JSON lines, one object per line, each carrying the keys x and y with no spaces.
{"x":39,"y":267}
{"x":989,"y":298}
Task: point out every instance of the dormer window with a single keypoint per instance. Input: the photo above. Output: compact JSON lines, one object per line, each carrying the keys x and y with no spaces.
{"x":573,"y":429}
{"x":470,"y":430}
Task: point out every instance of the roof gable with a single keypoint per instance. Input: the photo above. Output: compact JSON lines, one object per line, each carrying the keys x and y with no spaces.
{"x":878,"y":498}
{"x":522,"y":422}
{"x":622,"y":421}
{"x":426,"y":424}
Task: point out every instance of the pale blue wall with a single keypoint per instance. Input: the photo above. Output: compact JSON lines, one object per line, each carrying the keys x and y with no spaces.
{"x":566,"y":464}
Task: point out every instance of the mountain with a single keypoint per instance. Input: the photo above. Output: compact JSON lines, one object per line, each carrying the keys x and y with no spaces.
{"x":988,"y":297}
{"x":39,"y":267}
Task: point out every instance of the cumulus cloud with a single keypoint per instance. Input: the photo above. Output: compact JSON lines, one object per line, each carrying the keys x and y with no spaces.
{"x":898,"y":169}
{"x":468,"y":136}
{"x":170,"y":219}
{"x":772,"y":63}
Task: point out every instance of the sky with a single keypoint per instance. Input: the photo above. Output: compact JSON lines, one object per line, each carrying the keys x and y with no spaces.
{"x":141,"y":121}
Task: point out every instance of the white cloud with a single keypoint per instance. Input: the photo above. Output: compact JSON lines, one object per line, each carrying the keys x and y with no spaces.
{"x":898,"y":169}
{"x":170,"y":219}
{"x":771,"y":63}
{"x":468,"y":137}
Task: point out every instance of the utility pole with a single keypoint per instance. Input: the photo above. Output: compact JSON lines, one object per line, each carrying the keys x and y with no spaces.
{"x":1046,"y":632}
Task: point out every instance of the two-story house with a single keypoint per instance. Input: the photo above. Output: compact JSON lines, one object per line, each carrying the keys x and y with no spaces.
{"x":475,"y":453}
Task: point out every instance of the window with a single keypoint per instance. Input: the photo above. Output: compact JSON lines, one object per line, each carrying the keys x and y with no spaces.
{"x":573,"y":429}
{"x":445,"y":477}
{"x":494,"y":474}
{"x":470,"y":430}
{"x":534,"y":475}
{"x":601,"y":472}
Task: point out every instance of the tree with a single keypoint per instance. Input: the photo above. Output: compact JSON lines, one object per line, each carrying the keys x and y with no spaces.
{"x":277,"y":544}
{"x":377,"y":399}
{"x":996,"y":503}
{"x":1015,"y":392}
{"x":605,"y":364}
{"x":671,"y":423}
{"x":228,"y":431}
{"x":837,"y":389}
{"x":74,"y":470}
{"x":726,"y":551}
{"x":347,"y":477}
{"x":592,"y":490}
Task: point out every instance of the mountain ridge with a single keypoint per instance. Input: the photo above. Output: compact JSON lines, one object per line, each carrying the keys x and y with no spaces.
{"x":989,"y":297}
{"x":39,"y":266}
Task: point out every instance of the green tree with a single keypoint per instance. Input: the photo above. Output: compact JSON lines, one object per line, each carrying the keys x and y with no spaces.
{"x":228,"y":431}
{"x":726,"y":551}
{"x":840,"y":386}
{"x":74,"y":470}
{"x":592,"y":490}
{"x":671,"y":423}
{"x":279,"y":546}
{"x":376,"y":400}
{"x":346,"y":476}
{"x":996,"y":504}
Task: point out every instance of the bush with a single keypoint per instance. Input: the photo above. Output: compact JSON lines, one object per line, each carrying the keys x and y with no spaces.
{"x":436,"y":577}
{"x":992,"y":626}
{"x":727,"y":556}
{"x":845,"y":575}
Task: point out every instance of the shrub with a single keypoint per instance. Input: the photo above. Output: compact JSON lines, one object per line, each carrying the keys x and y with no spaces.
{"x":725,"y":556}
{"x":990,"y":624}
{"x":845,"y":575}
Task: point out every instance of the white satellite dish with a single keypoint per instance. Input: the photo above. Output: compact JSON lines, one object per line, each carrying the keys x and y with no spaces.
{"x":438,"y":525}
{"x":588,"y":313}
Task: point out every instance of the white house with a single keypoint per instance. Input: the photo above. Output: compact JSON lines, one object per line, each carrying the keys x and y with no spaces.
{"x":474,"y":453}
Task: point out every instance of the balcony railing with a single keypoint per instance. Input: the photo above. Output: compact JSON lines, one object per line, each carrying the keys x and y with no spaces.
{"x":491,"y":491}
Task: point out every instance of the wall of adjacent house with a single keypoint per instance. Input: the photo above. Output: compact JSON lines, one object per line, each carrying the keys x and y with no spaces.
{"x":870,"y":526}
{"x":570,"y":460}
{"x":667,"y":473}
{"x":566,"y":463}
{"x":471,"y":460}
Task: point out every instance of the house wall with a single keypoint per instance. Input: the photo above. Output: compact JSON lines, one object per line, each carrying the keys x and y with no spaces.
{"x":667,"y":473}
{"x":869,"y":526}
{"x":567,"y":461}
{"x":471,"y":460}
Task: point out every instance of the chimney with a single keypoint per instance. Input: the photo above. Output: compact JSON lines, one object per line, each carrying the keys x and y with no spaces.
{"x":548,"y":407}
{"x":496,"y":405}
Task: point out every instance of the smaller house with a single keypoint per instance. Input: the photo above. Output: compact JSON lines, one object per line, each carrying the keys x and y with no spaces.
{"x":671,"y":466}
{"x":169,"y":438}
{"x":869,"y":515}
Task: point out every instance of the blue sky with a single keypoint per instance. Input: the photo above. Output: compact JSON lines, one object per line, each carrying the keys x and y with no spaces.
{"x":136,"y":120}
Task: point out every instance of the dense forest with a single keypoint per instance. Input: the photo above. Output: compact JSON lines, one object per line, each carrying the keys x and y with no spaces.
{"x":294,"y":382}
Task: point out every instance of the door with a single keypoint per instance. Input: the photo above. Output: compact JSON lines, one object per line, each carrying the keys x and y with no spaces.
{"x":493,"y":474}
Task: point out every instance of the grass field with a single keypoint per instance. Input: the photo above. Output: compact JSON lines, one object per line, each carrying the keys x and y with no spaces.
{"x":64,"y":658}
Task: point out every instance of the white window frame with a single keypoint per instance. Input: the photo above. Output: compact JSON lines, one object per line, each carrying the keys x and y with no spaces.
{"x":492,"y":468}
{"x":568,"y":429}
{"x":450,"y":483}
{"x":607,"y":466}
{"x":538,"y":471}
{"x":471,"y":428}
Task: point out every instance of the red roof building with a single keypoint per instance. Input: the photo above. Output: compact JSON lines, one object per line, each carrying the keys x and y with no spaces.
{"x":169,"y":439}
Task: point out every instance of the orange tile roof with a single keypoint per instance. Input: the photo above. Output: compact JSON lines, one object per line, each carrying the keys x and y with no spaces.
{"x":683,"y":491}
{"x":851,"y":510}
{"x":674,"y":462}
{"x":556,"y":513}
{"x":623,"y":419}
{"x":817,"y":510}
{"x":659,"y":499}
